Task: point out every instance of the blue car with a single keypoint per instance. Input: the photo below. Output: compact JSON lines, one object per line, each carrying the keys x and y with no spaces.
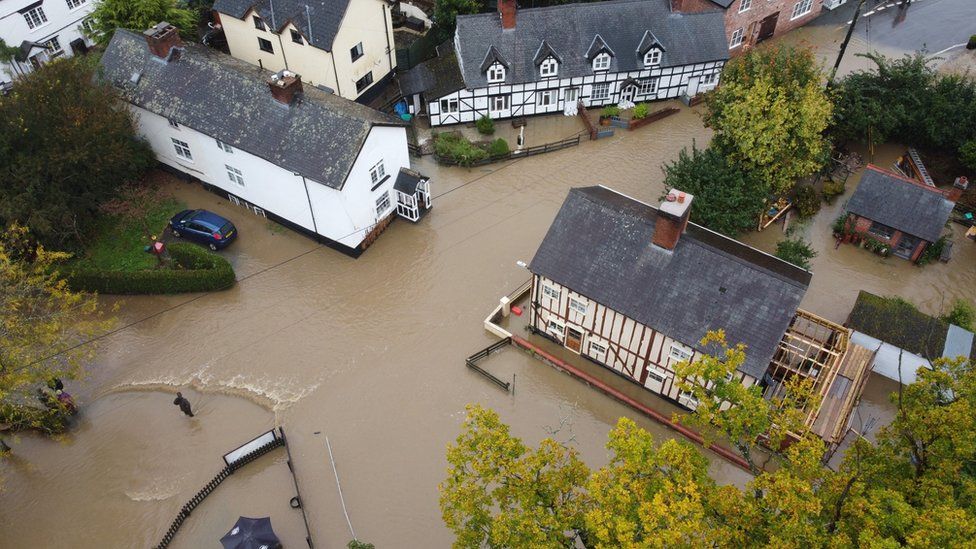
{"x":205,"y":227}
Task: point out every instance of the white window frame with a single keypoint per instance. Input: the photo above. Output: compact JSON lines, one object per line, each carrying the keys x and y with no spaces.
{"x":578,"y":305}
{"x":709,"y":79}
{"x":377,"y":172}
{"x":383,"y":204}
{"x":453,"y":105}
{"x":601,"y":62}
{"x":745,"y":5}
{"x":493,"y":102}
{"x":604,"y":87}
{"x":551,"y":291}
{"x":182,"y":149}
{"x":224,"y":147}
{"x":680,"y":352}
{"x":547,"y":98}
{"x":652,"y":58}
{"x":496,"y":73}
{"x":549,"y":67}
{"x":35,"y":17}
{"x":657,"y":375}
{"x":689,"y":398}
{"x":53,"y":47}
{"x":234,"y":175}
{"x":561,"y":327}
{"x":356,"y":52}
{"x":600,"y":353}
{"x":75,"y":4}
{"x":736,"y":39}
{"x":801,"y":8}
{"x":647,"y":86}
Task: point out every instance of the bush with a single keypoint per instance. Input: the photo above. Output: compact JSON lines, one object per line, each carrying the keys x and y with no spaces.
{"x":641,"y":111}
{"x":839,"y":226}
{"x":806,"y":200}
{"x":797,"y":252}
{"x":485,"y":125}
{"x":933,"y":252}
{"x":193,"y":270}
{"x":971,"y":45}
{"x":967,"y":154}
{"x":498,"y":147}
{"x":610,"y":111}
{"x":832,"y":189}
{"x":962,"y":314}
{"x":454,"y":147}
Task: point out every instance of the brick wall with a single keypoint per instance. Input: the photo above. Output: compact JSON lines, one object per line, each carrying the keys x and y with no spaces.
{"x":750,"y":20}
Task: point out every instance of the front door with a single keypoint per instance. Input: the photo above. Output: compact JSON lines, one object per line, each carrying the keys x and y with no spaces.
{"x":767,"y":28}
{"x":628,"y":93}
{"x":574,"y":339}
{"x":906,"y":246}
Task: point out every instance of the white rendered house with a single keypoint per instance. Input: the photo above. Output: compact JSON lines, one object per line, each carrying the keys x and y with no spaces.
{"x":42,"y":30}
{"x":344,"y":45}
{"x":315,"y":162}
{"x":546,"y":60}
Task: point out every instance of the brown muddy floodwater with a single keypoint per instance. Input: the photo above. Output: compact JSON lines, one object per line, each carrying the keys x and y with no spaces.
{"x":368,"y":352}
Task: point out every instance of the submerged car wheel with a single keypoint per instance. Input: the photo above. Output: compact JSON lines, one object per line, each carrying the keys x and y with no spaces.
{"x":213,"y":246}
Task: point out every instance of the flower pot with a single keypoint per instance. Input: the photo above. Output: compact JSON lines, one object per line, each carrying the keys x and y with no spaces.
{"x":604,"y":121}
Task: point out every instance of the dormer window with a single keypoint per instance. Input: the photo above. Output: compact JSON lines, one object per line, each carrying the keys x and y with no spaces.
{"x":549,"y":67}
{"x":258,"y":22}
{"x":496,"y":73}
{"x":652,"y":57}
{"x":601,"y":62}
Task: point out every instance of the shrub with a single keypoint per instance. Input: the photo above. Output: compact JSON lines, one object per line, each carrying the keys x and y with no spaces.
{"x":610,"y":111}
{"x":454,"y":147}
{"x":193,"y":270}
{"x":641,"y":111}
{"x":967,"y":154}
{"x":933,"y":252}
{"x":806,"y":200}
{"x":971,"y":45}
{"x":832,"y":189}
{"x":498,"y":147}
{"x":962,"y":314}
{"x":485,"y":125}
{"x":839,"y":226}
{"x":797,"y":252}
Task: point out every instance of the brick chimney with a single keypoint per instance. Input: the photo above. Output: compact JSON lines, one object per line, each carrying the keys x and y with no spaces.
{"x":164,"y":41}
{"x":959,"y":186}
{"x":507,"y":10}
{"x":672,"y":218}
{"x":285,"y":86}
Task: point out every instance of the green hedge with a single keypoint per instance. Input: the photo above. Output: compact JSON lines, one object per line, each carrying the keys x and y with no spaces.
{"x":193,"y":270}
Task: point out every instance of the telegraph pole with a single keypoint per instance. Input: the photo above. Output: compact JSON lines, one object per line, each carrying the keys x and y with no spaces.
{"x":847,"y":39}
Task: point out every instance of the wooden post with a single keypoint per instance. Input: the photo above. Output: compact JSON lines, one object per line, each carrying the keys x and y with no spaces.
{"x":843,"y":46}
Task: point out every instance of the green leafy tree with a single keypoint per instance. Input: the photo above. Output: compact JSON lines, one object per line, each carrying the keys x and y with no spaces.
{"x":446,"y":12}
{"x":65,"y":146}
{"x":796,"y":251}
{"x":962,"y":314}
{"x":109,"y":15}
{"x":967,"y":154}
{"x":769,"y":115}
{"x":43,"y":323}
{"x":727,"y":199}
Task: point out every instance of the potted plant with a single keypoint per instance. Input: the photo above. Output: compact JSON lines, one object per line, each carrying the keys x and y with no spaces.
{"x":609,"y":112}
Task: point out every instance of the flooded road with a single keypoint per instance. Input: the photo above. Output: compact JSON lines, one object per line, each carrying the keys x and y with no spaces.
{"x":368,"y":352}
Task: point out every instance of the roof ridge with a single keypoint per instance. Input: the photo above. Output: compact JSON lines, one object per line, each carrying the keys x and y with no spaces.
{"x":905,"y":179}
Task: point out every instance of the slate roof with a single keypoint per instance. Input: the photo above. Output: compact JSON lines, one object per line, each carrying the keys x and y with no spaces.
{"x":911,"y":207}
{"x":319,"y":24}
{"x":407,"y":181}
{"x":600,"y":246}
{"x":318,"y":136}
{"x":435,"y":77}
{"x":723,"y":3}
{"x":570,"y":30}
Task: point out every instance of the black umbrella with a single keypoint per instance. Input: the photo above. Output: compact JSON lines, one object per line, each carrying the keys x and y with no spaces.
{"x":251,"y":533}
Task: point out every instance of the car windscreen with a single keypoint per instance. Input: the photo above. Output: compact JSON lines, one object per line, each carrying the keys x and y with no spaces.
{"x":227,"y":228}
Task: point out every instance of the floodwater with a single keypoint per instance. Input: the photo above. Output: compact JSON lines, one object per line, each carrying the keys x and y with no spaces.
{"x":368,"y":352}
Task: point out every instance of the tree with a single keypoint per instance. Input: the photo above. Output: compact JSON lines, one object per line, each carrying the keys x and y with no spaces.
{"x":796,"y":251}
{"x":65,"y":146}
{"x":446,"y":12}
{"x":769,"y":115}
{"x":727,"y":199}
{"x":962,"y":314}
{"x":500,"y":493}
{"x":109,"y":15}
{"x":43,"y":325}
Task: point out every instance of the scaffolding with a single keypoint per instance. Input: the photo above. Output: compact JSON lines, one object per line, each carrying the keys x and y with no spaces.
{"x":817,"y":349}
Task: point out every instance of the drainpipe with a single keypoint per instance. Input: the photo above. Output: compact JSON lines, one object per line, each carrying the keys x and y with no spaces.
{"x":386,"y":32}
{"x":282,"y":48}
{"x":336,"y":72}
{"x":311,"y":211}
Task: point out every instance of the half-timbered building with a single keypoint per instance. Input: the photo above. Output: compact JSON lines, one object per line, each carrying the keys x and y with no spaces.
{"x":635,"y":288}
{"x":547,"y":60}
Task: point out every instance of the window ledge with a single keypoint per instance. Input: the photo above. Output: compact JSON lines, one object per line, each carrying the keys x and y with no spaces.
{"x":380,"y":183}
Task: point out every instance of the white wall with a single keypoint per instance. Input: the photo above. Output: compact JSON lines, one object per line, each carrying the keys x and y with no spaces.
{"x":62,"y":22}
{"x":338,"y":213}
{"x":886,"y":360}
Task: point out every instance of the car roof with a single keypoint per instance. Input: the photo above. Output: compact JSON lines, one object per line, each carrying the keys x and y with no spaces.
{"x":209,"y":218}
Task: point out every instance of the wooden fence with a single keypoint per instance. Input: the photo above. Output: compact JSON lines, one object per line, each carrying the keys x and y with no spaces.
{"x":528,"y":151}
{"x":472,"y":362}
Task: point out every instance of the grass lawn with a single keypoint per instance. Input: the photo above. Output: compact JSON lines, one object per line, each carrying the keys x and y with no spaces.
{"x":118,"y":243}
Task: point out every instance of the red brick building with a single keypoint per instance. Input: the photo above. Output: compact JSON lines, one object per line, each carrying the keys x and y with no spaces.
{"x":905,"y":214}
{"x":748,"y":22}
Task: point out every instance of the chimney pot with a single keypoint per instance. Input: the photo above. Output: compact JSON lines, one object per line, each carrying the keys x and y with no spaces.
{"x":959,"y":186}
{"x":164,"y":41}
{"x":507,"y":9}
{"x":285,"y":86}
{"x":672,"y":218}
